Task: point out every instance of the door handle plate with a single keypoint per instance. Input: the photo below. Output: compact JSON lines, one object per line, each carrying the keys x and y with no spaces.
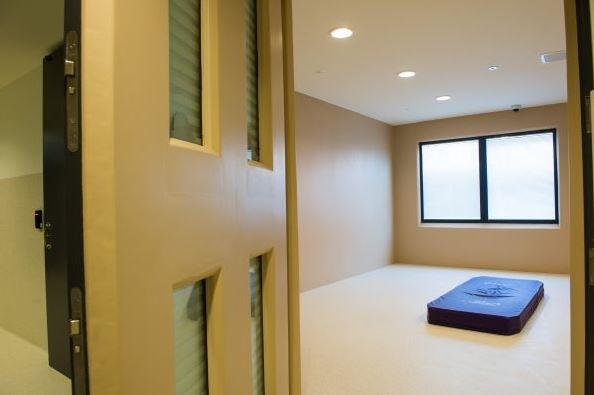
{"x":78,"y":342}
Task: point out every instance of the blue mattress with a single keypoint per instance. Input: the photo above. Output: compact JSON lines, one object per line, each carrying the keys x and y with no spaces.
{"x":487,"y":304}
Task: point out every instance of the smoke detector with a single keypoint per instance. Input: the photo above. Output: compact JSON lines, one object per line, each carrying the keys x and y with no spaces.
{"x":550,"y":57}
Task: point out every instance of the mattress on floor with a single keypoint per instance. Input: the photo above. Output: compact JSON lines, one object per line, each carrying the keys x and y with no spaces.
{"x":487,"y":304}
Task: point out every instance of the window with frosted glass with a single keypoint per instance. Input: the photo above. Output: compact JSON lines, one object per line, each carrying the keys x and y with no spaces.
{"x":500,"y":178}
{"x":257,"y":324}
{"x":451,"y":188}
{"x":185,"y":71}
{"x":190,"y":334}
{"x":252,"y":79}
{"x":521,"y":177}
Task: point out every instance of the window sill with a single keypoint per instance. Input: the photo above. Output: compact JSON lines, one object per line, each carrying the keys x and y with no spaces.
{"x":173,"y":142}
{"x":488,"y":226}
{"x":259,"y":164}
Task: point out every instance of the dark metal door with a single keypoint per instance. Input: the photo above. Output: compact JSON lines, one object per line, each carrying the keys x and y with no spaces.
{"x":54,"y":199}
{"x":62,"y":185}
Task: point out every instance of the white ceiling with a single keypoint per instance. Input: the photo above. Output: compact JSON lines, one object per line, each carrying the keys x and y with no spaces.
{"x":29,"y":30}
{"x":449,"y":44}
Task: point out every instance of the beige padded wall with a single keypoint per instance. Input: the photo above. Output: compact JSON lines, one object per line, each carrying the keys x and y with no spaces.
{"x":158,"y":214}
{"x":486,"y":246}
{"x":345,"y":196}
{"x":22,"y":268}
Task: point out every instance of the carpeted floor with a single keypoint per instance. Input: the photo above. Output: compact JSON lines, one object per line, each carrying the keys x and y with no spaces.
{"x":24,"y":369}
{"x":368,"y":335}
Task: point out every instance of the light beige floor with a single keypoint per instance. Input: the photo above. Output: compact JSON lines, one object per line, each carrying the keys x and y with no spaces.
{"x":24,"y":369}
{"x":368,"y":335}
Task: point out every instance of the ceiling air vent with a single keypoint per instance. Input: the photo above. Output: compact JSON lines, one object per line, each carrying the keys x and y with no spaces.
{"x":550,"y":57}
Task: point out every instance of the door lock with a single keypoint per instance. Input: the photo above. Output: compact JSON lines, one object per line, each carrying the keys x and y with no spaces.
{"x":38,"y":219}
{"x":74,"y":327}
{"x":69,"y":68}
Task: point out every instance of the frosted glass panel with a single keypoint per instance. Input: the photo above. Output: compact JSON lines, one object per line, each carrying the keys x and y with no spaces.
{"x":189,"y":324}
{"x":451,"y":180}
{"x":257,"y":326}
{"x":521,"y":177}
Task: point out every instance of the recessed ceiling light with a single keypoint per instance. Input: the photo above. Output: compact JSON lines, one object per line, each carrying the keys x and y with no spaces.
{"x":443,"y":98}
{"x":341,"y":32}
{"x":493,"y":67}
{"x":406,"y":74}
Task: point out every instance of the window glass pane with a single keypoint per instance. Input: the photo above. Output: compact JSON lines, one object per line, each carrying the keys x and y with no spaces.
{"x":252,"y":75}
{"x":257,"y":327}
{"x":189,"y":324}
{"x":185,"y":71}
{"x":451,"y":180}
{"x":521,"y":177}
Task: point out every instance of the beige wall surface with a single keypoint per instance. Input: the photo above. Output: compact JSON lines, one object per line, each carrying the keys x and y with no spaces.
{"x":20,"y":126}
{"x":344,"y":192}
{"x":22,"y":279}
{"x":509,"y":247}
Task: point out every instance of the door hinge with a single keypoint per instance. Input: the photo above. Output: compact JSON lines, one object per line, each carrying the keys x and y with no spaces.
{"x":78,"y":342}
{"x":591,"y":266}
{"x":588,"y":110}
{"x":72,"y":75}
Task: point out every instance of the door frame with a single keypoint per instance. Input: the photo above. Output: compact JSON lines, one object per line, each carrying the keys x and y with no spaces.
{"x":291,"y":188}
{"x":76,"y":276}
{"x":586,"y":82}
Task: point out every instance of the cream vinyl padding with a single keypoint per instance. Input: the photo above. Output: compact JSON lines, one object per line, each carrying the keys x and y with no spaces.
{"x":368,"y":335}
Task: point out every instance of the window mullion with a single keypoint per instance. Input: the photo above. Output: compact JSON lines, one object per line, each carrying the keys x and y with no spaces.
{"x":483,"y":179}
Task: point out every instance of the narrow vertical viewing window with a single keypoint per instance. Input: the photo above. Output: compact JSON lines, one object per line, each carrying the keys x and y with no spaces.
{"x":252,"y":79}
{"x":191,"y":352}
{"x":185,"y":71}
{"x":257,"y":324}
{"x":508,"y":178}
